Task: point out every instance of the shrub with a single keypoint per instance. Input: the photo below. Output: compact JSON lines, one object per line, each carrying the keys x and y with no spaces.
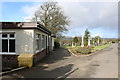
{"x":84,"y":50}
{"x":90,"y":47}
{"x":113,"y":41}
{"x":56,"y":43}
{"x":86,"y":43}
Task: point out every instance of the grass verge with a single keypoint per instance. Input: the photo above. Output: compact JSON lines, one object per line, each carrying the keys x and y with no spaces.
{"x":101,"y":47}
{"x":94,"y":49}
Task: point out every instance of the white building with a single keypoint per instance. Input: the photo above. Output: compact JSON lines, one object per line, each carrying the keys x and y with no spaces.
{"x":25,"y":37}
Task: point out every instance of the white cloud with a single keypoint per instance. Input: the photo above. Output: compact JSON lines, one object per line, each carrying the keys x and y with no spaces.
{"x":100,"y":17}
{"x":29,"y":10}
{"x":103,"y":14}
{"x":60,"y":0}
{"x":91,"y":14}
{"x":27,"y":19}
{"x":87,"y":0}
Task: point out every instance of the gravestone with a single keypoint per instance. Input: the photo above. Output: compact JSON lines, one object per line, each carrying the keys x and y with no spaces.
{"x":88,"y":41}
{"x":82,"y":44}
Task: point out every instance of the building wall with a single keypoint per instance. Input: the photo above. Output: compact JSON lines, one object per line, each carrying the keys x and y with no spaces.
{"x":52,"y":43}
{"x":23,"y":40}
{"x":23,"y":44}
{"x":8,"y":61}
{"x":42,"y":51}
{"x":34,"y":42}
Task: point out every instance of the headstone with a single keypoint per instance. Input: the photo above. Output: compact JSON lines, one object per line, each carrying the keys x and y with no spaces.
{"x":98,"y":41}
{"x":82,"y":44}
{"x":72,"y":44}
{"x":89,"y":41}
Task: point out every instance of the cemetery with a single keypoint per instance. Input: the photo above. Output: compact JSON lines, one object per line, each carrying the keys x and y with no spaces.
{"x":87,"y":45}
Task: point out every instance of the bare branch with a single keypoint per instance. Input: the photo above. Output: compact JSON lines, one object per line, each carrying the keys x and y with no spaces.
{"x":52,"y":17}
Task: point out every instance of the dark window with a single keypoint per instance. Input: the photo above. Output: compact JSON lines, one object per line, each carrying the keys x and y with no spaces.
{"x":8,"y":43}
{"x":12,"y":35}
{"x":43,"y":41}
{"x":37,"y":41}
{"x":4,"y":45}
{"x":37,"y":44}
{"x":11,"y":45}
{"x":4,"y":35}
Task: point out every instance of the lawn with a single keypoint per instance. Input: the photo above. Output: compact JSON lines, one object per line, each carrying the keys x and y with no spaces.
{"x":72,"y":47}
{"x":101,"y":47}
{"x":94,"y":49}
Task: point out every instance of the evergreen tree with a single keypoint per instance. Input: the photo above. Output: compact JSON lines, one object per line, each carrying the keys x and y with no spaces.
{"x":75,"y":40}
{"x":86,"y":36}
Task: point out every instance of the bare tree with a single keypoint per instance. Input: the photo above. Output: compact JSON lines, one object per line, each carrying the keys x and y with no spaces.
{"x":52,"y":17}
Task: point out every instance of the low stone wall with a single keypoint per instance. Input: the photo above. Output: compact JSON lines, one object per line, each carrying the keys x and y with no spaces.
{"x":9,"y":61}
{"x":38,"y":56}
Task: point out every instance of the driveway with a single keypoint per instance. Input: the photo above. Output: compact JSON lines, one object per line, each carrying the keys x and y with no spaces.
{"x":62,"y":64}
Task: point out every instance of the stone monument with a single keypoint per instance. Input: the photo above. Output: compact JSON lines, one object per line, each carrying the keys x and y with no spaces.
{"x":82,"y":44}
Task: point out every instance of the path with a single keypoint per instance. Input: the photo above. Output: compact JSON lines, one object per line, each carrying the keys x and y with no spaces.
{"x":61,"y":64}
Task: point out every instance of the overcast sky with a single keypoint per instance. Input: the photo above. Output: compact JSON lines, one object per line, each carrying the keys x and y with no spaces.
{"x":101,"y":18}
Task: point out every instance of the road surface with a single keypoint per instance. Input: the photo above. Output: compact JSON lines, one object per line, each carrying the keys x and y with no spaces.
{"x":62,"y":64}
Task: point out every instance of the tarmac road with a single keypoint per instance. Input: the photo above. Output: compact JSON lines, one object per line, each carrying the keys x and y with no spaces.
{"x":62,"y":64}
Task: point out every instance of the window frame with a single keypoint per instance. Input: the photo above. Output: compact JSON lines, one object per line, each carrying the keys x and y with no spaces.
{"x":8,"y":38}
{"x":43,"y":42}
{"x":37,"y":39}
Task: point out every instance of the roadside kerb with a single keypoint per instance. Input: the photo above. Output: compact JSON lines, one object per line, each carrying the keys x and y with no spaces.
{"x":6,"y":72}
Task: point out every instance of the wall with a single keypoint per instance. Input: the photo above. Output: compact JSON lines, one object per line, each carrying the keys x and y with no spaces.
{"x":9,"y":61}
{"x":50,"y":43}
{"x":23,"y":41}
{"x":43,"y":52}
{"x":38,"y":56}
{"x":34,"y":42}
{"x":23,"y":44}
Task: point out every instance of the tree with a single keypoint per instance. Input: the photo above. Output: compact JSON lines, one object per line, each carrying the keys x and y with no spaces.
{"x":56,"y":42}
{"x":86,"y":36}
{"x":52,"y":17}
{"x":75,"y":40}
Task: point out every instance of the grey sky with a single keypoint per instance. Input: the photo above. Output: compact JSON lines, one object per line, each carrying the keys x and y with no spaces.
{"x":96,"y":16}
{"x":100,"y":17}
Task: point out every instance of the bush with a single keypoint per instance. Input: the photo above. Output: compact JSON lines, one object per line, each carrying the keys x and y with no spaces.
{"x":113,"y":41}
{"x":86,"y":43}
{"x":84,"y":50}
{"x":57,"y":45}
{"x":90,"y":47}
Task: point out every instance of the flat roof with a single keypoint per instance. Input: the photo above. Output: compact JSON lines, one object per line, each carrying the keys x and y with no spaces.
{"x":23,"y":25}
